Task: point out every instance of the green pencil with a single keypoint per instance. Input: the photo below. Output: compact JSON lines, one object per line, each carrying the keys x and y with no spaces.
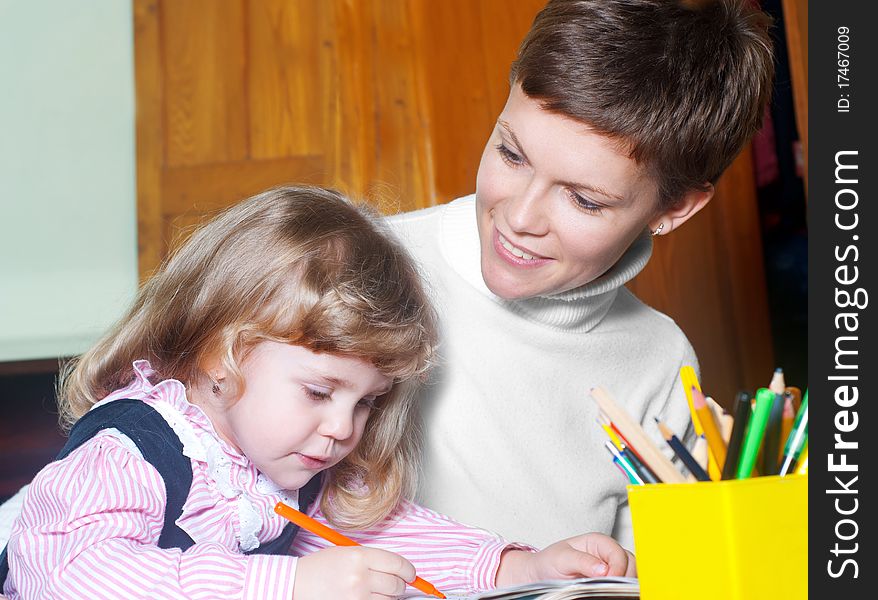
{"x":742,"y":417}
{"x":771,"y":439}
{"x":755,"y":432}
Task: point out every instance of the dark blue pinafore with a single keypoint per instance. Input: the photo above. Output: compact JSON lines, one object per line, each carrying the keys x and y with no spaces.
{"x":163,"y":449}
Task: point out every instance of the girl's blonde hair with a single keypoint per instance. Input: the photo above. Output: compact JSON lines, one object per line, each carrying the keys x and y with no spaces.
{"x":297,"y":265}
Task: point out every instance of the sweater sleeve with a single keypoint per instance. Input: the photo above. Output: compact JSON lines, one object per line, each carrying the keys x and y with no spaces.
{"x":448,"y":554}
{"x":89,"y":528}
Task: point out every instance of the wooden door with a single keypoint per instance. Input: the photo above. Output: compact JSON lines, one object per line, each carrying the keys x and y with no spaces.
{"x":392,"y":100}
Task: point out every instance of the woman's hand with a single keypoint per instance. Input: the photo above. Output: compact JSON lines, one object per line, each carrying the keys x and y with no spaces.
{"x":354,"y":572}
{"x":589,"y":555}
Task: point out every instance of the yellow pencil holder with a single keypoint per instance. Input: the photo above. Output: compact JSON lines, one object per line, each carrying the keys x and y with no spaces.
{"x":727,"y":540}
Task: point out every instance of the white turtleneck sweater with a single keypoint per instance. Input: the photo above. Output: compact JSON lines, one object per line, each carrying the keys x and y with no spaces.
{"x":511,"y":438}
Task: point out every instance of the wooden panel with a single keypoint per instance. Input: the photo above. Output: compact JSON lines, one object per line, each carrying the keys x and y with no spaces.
{"x":210,"y":187}
{"x":471,"y":46}
{"x":457,"y":83}
{"x":504,"y":25}
{"x":402,"y":138}
{"x":796,"y":28}
{"x":353,"y":109}
{"x":204,"y":92}
{"x":149,"y":147}
{"x":380,"y":138}
{"x":741,"y":272}
{"x":287,"y":91}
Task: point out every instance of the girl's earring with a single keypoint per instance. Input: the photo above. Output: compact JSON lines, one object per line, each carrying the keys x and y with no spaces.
{"x":215,"y":388}
{"x":658,"y":229}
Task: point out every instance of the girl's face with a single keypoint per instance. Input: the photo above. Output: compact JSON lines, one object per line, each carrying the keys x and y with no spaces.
{"x":301,"y":412}
{"x":557,"y":204}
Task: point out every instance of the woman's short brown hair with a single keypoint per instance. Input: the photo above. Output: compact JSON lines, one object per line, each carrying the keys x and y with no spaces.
{"x":682,"y":86}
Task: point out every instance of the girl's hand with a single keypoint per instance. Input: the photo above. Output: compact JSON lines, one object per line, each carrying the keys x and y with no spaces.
{"x":354,"y":572}
{"x":589,"y":555}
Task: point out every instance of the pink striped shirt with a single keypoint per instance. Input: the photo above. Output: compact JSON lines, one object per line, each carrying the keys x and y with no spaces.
{"x":90,"y":523}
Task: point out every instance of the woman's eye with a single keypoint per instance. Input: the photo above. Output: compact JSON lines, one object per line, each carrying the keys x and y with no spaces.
{"x":584,"y":203}
{"x":509,"y":157}
{"x":318,"y":393}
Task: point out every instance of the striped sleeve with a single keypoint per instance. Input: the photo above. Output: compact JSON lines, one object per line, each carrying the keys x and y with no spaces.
{"x":448,"y":554}
{"x":89,"y":527}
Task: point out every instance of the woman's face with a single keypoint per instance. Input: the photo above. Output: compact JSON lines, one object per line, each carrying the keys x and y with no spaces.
{"x":557,"y":204}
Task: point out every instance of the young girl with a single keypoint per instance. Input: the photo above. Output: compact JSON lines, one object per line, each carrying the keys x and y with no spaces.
{"x":281,"y":341}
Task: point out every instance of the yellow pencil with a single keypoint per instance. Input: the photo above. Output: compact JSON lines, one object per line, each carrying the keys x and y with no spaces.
{"x":690,"y":380}
{"x":715,"y":442}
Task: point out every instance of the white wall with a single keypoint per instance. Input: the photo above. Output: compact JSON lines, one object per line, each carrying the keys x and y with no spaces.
{"x":68,"y":247}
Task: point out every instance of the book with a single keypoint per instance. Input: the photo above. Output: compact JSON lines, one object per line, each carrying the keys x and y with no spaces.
{"x":595,"y":588}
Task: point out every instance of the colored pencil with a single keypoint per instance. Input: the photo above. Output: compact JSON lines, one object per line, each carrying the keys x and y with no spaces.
{"x":317,"y":528}
{"x":700,"y":454}
{"x":786,"y":422}
{"x":797,"y":438}
{"x":682,"y":453}
{"x":645,"y":473}
{"x":618,"y":464}
{"x":742,"y":417}
{"x":755,"y":432}
{"x":771,"y":439}
{"x":690,"y":381}
{"x":715,"y":443}
{"x":637,"y":439}
{"x":777,"y":383}
{"x":796,"y":393}
{"x":632,"y":473}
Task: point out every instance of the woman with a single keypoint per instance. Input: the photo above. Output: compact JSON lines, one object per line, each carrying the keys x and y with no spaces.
{"x":621,"y":117}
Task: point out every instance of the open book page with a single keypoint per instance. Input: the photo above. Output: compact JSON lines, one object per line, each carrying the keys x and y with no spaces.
{"x":570,"y":589}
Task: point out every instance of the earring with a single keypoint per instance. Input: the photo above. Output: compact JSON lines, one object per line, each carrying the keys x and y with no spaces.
{"x":658,"y":229}
{"x":215,"y":388}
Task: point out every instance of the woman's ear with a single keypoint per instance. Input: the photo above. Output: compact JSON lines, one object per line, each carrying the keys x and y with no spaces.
{"x":685,"y":208}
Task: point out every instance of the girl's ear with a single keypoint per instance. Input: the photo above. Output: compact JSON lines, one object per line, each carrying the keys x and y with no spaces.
{"x":682,"y":211}
{"x":214,"y":369}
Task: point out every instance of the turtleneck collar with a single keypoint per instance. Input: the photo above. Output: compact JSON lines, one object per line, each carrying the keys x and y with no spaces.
{"x":576,"y":310}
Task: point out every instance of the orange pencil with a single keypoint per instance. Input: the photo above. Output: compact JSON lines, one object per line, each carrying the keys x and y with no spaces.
{"x":317,"y":528}
{"x":796,"y":393}
{"x":715,"y":442}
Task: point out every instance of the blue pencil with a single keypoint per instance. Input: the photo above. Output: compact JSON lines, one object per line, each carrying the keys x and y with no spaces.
{"x":683,"y":454}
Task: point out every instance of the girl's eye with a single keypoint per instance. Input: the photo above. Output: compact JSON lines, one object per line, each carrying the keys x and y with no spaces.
{"x":584,"y":203}
{"x":509,"y":157}
{"x":317,"y":393}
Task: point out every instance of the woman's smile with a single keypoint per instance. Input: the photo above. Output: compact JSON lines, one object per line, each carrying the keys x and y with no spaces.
{"x":516,"y":255}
